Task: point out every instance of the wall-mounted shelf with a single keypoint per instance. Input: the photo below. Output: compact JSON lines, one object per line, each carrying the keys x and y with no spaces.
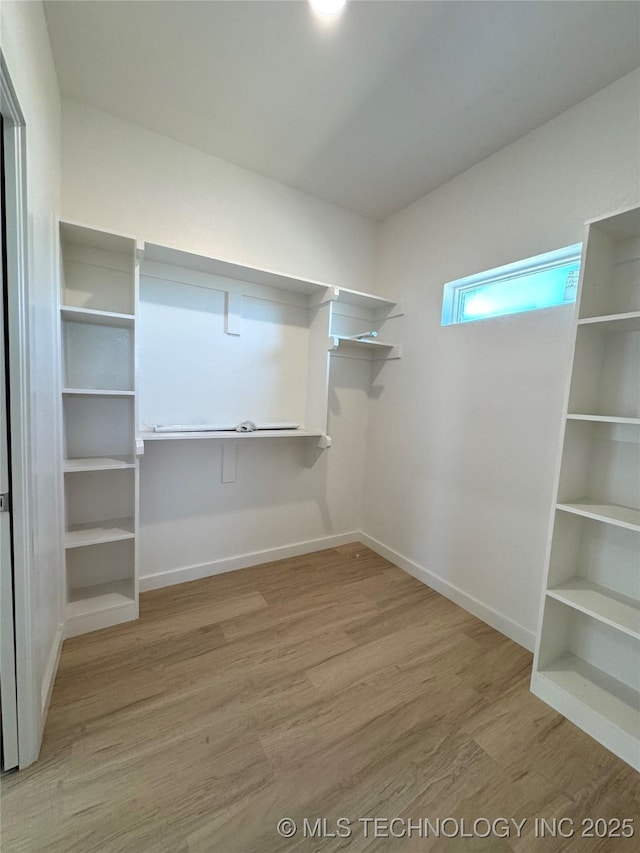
{"x":604,"y":419}
{"x":95,"y":317}
{"x":370,"y":348}
{"x":155,"y":253}
{"x":96,"y":392}
{"x":619,"y":611}
{"x":378,"y":304}
{"x":213,"y":434}
{"x":610,"y":323}
{"x":269,"y":330}
{"x":97,"y":532}
{"x":621,"y":516}
{"x":224,"y":269}
{"x":98,"y":463}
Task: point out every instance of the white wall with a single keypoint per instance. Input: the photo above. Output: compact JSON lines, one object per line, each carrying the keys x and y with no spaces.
{"x":465,"y":496}
{"x":120,"y":177}
{"x":27,"y":52}
{"x":123,"y":178}
{"x":463,"y":440}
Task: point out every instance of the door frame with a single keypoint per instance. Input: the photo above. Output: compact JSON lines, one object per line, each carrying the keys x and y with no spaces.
{"x":28,"y":699}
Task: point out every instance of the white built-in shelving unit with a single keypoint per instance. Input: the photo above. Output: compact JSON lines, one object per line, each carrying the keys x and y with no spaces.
{"x":97,"y":321}
{"x":155,"y":335}
{"x":255,"y":345}
{"x":587,"y":661}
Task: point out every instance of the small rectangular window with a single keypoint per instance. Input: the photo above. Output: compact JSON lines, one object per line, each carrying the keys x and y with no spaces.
{"x":539,"y":282}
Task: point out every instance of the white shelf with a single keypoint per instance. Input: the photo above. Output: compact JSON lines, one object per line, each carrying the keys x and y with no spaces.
{"x":97,"y":532}
{"x":94,"y":317}
{"x":604,"y":419}
{"x":255,"y":275}
{"x":90,"y":600}
{"x":365,"y":300}
{"x":617,"y":703}
{"x":98,"y":463}
{"x":368,"y":346}
{"x":621,"y":516}
{"x":96,"y":392}
{"x":76,"y":234}
{"x":258,"y":433}
{"x":604,"y":604}
{"x":229,"y":269}
{"x":629,"y":322}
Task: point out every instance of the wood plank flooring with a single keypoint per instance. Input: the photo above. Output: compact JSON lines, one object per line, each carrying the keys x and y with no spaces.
{"x":326,"y":686}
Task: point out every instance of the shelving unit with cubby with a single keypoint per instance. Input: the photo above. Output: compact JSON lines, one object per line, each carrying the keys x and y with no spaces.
{"x":156,"y":335}
{"x":587,"y":661}
{"x":98,"y":327}
{"x":353,"y":316}
{"x":273,"y":333}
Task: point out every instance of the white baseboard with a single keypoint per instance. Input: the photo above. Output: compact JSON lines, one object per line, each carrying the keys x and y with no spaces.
{"x":50,"y":673}
{"x":243,"y":561}
{"x":483,"y":611}
{"x":478,"y":608}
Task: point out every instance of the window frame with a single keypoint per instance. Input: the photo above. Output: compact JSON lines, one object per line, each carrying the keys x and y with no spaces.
{"x":456,"y":291}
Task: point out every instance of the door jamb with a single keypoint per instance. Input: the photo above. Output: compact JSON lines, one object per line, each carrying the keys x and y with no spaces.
{"x":28,"y":696}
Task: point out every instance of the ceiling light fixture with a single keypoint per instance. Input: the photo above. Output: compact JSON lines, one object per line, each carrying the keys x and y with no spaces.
{"x":327,"y":7}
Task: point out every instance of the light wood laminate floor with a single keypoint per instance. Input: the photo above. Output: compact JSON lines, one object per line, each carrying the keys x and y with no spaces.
{"x":331,"y":685}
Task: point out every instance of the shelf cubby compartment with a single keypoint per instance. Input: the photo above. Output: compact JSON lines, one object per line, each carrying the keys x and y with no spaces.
{"x":98,"y":357}
{"x":593,"y":567}
{"x":98,"y":427}
{"x":588,"y":671}
{"x":606,"y":373}
{"x":618,"y":611}
{"x":600,"y":472}
{"x":354,"y":315}
{"x":97,"y":270}
{"x":101,"y":588}
{"x":611,"y":275}
{"x":100,"y":507}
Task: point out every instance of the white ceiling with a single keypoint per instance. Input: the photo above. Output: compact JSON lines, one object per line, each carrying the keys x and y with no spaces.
{"x":371,"y":112}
